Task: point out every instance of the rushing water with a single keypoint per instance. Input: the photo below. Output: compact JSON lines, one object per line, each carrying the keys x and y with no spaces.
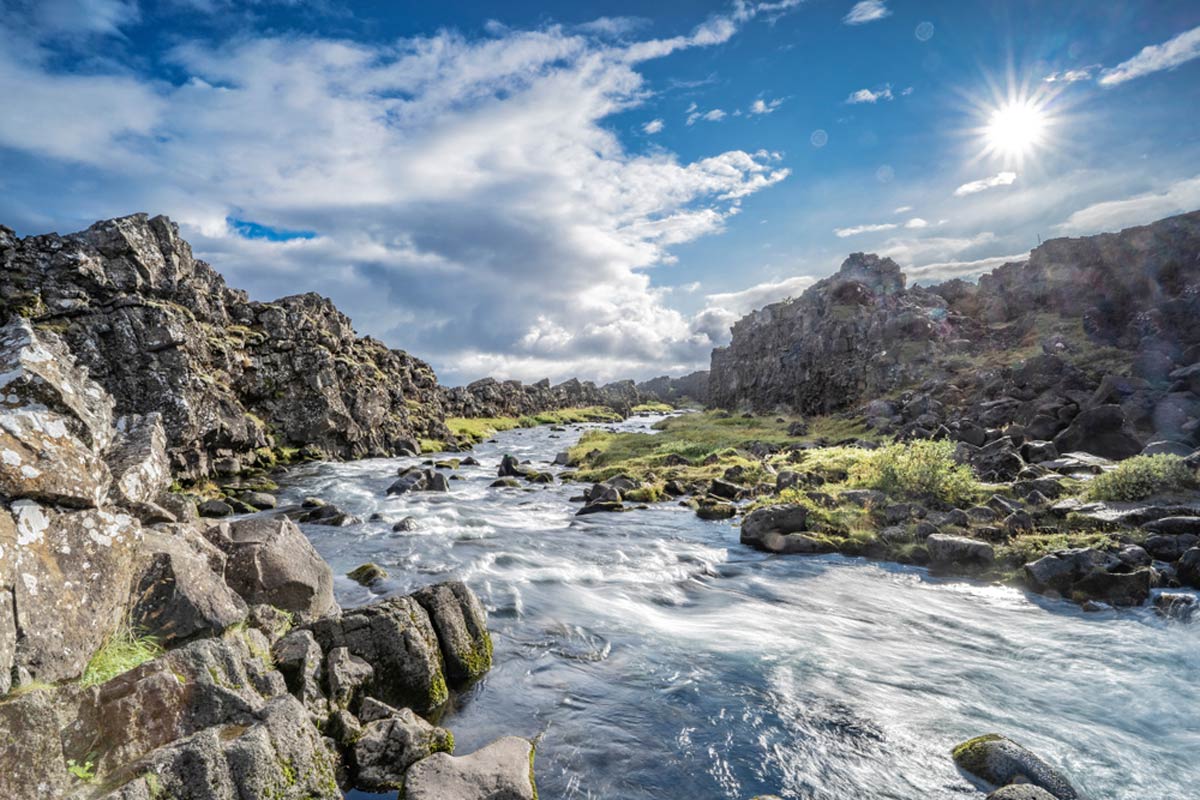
{"x":659,"y":658}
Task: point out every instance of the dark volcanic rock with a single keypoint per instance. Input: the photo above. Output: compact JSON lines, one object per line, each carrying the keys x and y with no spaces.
{"x":163,"y":333}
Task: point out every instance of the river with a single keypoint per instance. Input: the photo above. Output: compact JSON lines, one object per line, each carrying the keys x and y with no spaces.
{"x":659,"y":658}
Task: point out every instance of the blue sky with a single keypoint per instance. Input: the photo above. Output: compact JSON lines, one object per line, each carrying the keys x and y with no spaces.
{"x":599,"y":188}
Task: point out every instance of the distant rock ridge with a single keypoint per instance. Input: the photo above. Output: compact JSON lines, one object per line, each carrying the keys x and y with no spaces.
{"x":489,"y":397}
{"x":1100,"y":322}
{"x":232,"y":378}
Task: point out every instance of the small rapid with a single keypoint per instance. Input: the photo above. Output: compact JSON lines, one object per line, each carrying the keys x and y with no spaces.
{"x":659,"y":658}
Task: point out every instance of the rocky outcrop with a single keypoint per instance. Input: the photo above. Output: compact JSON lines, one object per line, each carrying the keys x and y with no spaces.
{"x":231,"y":378}
{"x":1092,"y":344}
{"x":1000,"y":761}
{"x":692,"y":387}
{"x":489,"y":397}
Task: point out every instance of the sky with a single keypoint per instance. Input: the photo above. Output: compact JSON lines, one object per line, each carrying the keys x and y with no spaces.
{"x":595,"y":189}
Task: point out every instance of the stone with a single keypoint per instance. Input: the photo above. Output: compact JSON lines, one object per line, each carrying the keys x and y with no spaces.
{"x":782,"y":519}
{"x":388,"y":747}
{"x":298,"y":658}
{"x":1058,"y":572}
{"x":396,"y":637}
{"x":178,"y":596}
{"x":367,"y":574}
{"x":461,"y":626}
{"x":1174,"y":526}
{"x":601,"y":497}
{"x":710,"y":510}
{"x":946,"y":550}
{"x":138,"y":461}
{"x":259,"y":500}
{"x":1114,"y":588}
{"x":1188,"y":568}
{"x":1102,"y":431}
{"x":30,"y":748}
{"x":72,"y":573}
{"x":794,"y":543}
{"x":214,"y":508}
{"x":1176,"y":605}
{"x":1169,"y":547}
{"x":346,"y":675}
{"x":1000,"y":761}
{"x":327,"y":514}
{"x":727,"y":490}
{"x":1167,"y":447}
{"x":997,"y":460}
{"x":1020,"y":791}
{"x":501,"y":771}
{"x":271,"y":561}
{"x":406,"y":524}
{"x":510,"y":467}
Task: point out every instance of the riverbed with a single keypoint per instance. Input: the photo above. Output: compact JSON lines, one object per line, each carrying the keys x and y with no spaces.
{"x":656,"y":657}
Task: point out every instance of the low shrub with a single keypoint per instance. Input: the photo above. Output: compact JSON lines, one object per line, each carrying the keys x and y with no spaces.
{"x":1140,"y":477}
{"x":921,"y":470}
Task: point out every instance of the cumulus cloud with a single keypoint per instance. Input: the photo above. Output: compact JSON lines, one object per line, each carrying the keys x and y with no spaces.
{"x":933,"y":248}
{"x":468,"y":201}
{"x":916,"y":222}
{"x":763,"y":107}
{"x":654,"y":126}
{"x":870,"y":96}
{"x":713,"y":115}
{"x":723,"y":309}
{"x":855,"y":230}
{"x":983,"y":184}
{"x":1155,"y":58}
{"x":867,"y":11}
{"x":945,"y":270}
{"x":1139,"y":209}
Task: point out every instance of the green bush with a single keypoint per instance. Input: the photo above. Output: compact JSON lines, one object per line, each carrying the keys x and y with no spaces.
{"x":1140,"y":477}
{"x":921,"y":470}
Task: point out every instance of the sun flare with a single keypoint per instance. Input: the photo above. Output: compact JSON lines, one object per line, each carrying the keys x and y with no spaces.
{"x":1015,"y":129}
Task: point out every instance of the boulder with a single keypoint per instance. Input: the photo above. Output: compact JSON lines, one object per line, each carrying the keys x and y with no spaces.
{"x":346,"y":675}
{"x":510,"y":467}
{"x":178,"y":596}
{"x":30,"y":748}
{"x":1174,"y":526}
{"x":367,"y":574}
{"x":259,"y":500}
{"x":71,"y":579}
{"x":1102,"y":431}
{"x":1176,"y":605}
{"x":501,"y":771}
{"x":946,"y":550}
{"x":601,"y":497}
{"x":387,"y":747}
{"x":214,"y":509}
{"x":1020,"y":791}
{"x":1114,"y":588}
{"x":326,"y":514}
{"x":997,"y":460}
{"x":727,"y":490}
{"x":1000,"y":761}
{"x":1188,"y":569}
{"x":794,"y":543}
{"x":1059,"y":571}
{"x":461,"y":626}
{"x":138,"y":461}
{"x":396,"y":637}
{"x":710,"y":509}
{"x":298,"y":658}
{"x":782,"y":519}
{"x":271,"y":561}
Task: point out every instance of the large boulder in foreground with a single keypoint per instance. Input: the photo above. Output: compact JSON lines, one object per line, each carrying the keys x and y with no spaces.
{"x":396,"y":637}
{"x":999,"y":761}
{"x":70,"y":584}
{"x":1101,"y":431}
{"x":271,"y":561}
{"x":501,"y":771}
{"x":461,"y":625}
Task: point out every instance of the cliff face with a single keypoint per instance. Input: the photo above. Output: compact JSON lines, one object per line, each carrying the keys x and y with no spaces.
{"x":492,"y":398}
{"x":862,"y":333}
{"x":161,"y":332}
{"x":691,"y":387}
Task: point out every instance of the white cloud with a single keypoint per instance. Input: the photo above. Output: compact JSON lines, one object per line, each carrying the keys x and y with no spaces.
{"x":1181,"y":196}
{"x":1072,"y":75}
{"x":855,"y":230}
{"x":903,"y":209}
{"x":654,"y":126}
{"x":933,"y":248}
{"x":713,"y":115}
{"x":761,"y":107}
{"x":869,"y":96}
{"x":866,"y":11}
{"x":1155,"y":58}
{"x":471,"y":203}
{"x":916,"y":222}
{"x":983,"y":184}
{"x":759,"y":295}
{"x":945,"y":270}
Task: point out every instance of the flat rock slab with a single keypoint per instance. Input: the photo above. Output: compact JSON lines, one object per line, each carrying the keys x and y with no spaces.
{"x":501,"y":771}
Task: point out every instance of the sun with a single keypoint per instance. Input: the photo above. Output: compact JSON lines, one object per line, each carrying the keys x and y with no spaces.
{"x":1015,"y":129}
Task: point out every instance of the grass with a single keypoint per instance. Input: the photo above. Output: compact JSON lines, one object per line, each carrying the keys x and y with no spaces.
{"x":567,"y":416}
{"x":653,"y":408}
{"x":1141,"y":477}
{"x":479,"y":429}
{"x":122,"y":651}
{"x":922,"y":470}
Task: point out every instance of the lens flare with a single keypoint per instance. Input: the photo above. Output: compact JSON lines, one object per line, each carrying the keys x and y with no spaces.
{"x":1016,"y":129}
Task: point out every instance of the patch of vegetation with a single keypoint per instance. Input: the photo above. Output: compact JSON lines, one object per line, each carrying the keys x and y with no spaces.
{"x":1141,"y":477}
{"x":479,"y":429}
{"x":122,"y":651}
{"x":432,"y":445}
{"x":567,"y":416}
{"x":1032,"y":546}
{"x":653,"y":408}
{"x":85,"y":772}
{"x":27,"y":688}
{"x":920,"y":470}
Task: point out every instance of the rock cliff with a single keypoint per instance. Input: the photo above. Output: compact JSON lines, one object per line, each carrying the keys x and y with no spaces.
{"x":492,"y":398}
{"x":692,"y":387}
{"x":1095,"y":340}
{"x":231,"y":378}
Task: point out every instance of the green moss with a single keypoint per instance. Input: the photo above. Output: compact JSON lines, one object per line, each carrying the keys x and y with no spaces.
{"x":85,"y":772}
{"x":971,"y":756}
{"x":432,"y":445}
{"x":439,"y":693}
{"x":532,"y":778}
{"x":648,"y":493}
{"x":1141,"y":477}
{"x":479,"y":429}
{"x":122,"y":651}
{"x":652,"y":408}
{"x":478,"y":660}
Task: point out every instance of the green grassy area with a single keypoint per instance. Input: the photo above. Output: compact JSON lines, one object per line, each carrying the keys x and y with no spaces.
{"x":700,"y":446}
{"x":653,"y":408}
{"x":479,"y":429}
{"x":922,"y":470}
{"x":566,"y":416}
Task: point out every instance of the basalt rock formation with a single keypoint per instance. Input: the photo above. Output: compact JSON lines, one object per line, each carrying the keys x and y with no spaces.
{"x":161,"y":332}
{"x":489,"y":397}
{"x":1092,"y":343}
{"x":692,"y":387}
